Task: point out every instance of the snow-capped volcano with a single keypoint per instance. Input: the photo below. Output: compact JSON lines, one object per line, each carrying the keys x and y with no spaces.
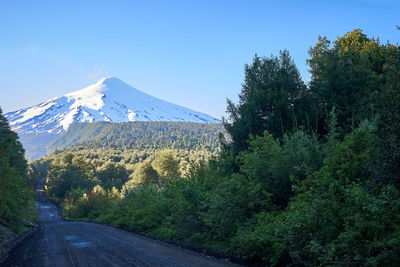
{"x":109,"y":99}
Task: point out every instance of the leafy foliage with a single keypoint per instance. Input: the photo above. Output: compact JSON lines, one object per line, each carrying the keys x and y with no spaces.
{"x":144,"y":174}
{"x":68,"y":172}
{"x":273,"y":99}
{"x":166,"y":166}
{"x":112,"y":175}
{"x":16,"y":195}
{"x":350,"y":76}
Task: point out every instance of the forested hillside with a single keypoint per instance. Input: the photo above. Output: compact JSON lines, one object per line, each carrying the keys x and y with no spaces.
{"x":17,"y":205}
{"x":309,"y":177}
{"x":142,"y":135}
{"x":125,"y":147}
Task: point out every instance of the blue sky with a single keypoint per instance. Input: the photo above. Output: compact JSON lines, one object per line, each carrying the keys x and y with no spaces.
{"x":191,"y":53}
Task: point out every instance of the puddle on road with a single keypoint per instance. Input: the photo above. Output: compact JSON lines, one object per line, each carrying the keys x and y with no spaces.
{"x":70,"y":237}
{"x":46,"y":207}
{"x":82,"y":244}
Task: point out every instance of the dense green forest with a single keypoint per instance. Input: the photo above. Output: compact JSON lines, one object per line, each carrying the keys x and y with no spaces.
{"x":142,"y":135}
{"x":309,"y":177}
{"x":17,"y":204}
{"x":115,"y":151}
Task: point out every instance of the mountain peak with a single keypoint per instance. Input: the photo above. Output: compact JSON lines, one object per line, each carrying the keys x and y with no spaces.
{"x":108,"y":79}
{"x":114,"y":84}
{"x":109,"y":99}
{"x":106,"y":85}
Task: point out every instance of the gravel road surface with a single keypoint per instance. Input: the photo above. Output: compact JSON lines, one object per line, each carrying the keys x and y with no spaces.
{"x":65,"y":243}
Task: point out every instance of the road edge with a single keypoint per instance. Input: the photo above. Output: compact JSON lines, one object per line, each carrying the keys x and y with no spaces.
{"x":14,"y":242}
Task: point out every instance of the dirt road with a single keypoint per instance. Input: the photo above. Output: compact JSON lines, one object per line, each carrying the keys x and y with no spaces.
{"x":64,"y":243}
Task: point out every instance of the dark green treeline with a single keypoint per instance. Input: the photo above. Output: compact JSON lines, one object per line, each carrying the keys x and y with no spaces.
{"x":17,"y":205}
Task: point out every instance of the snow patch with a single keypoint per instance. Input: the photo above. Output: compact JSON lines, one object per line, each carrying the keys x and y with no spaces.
{"x":109,"y":99}
{"x":131,"y":115}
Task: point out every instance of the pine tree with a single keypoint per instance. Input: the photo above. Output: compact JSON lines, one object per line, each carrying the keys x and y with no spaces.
{"x":273,"y":99}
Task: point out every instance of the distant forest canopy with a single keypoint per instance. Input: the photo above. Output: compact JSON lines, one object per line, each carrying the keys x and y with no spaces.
{"x":142,"y":135}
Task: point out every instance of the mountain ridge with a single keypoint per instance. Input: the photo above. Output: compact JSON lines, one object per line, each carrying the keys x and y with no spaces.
{"x":109,"y":99}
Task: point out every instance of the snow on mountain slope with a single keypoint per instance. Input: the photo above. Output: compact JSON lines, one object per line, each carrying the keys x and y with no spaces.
{"x":109,"y":99}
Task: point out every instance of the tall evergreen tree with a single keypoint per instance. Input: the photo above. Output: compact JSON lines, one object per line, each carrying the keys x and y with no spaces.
{"x":273,"y":99}
{"x":14,"y":190}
